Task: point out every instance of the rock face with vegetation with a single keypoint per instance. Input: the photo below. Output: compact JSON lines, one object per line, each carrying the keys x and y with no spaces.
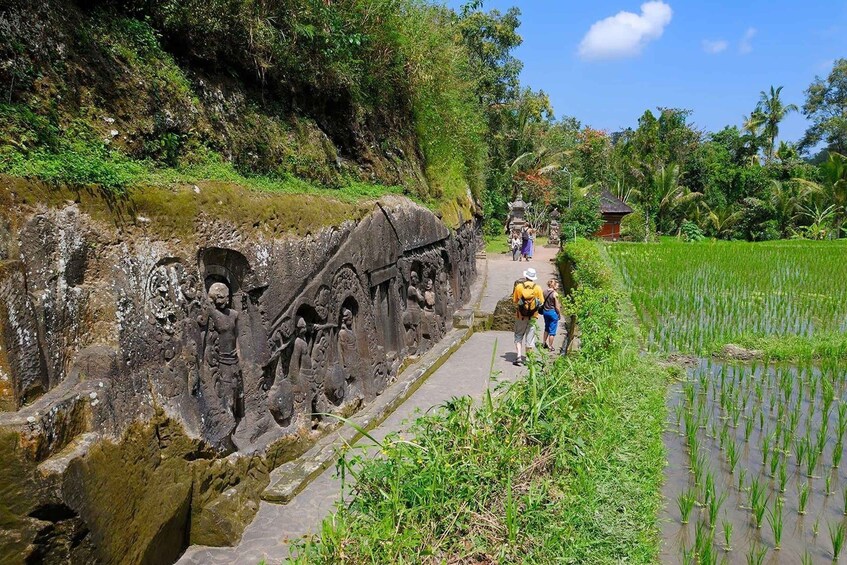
{"x":304,"y":94}
{"x":155,"y":368}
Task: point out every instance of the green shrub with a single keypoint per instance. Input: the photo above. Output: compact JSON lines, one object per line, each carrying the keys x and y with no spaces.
{"x":597,"y":313}
{"x":691,"y":231}
{"x":588,"y":266}
{"x":634,"y":227}
{"x":582,"y":219}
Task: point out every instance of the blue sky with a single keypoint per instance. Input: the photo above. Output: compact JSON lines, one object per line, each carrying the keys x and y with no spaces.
{"x":710,"y":57}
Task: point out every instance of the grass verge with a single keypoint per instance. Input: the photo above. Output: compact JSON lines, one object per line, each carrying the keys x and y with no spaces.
{"x":563,"y":465}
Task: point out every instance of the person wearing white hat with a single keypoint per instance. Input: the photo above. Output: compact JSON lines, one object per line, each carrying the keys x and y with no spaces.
{"x":528,"y":298}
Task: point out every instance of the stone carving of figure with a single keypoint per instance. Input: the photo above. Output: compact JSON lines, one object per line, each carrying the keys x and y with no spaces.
{"x":412,"y":316}
{"x":303,"y":370}
{"x":431,"y":321}
{"x":429,"y":297}
{"x":300,"y":370}
{"x":281,"y":391}
{"x":348,"y":348}
{"x":220,"y":379}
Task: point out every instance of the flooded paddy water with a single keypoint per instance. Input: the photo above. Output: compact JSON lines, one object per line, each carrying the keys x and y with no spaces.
{"x":755,"y":471}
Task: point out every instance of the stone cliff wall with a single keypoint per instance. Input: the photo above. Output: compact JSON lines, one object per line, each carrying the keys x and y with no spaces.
{"x":151,"y":382}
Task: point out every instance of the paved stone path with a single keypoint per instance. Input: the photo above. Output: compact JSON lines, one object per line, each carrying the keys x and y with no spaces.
{"x":502,"y":273}
{"x":467,"y":372}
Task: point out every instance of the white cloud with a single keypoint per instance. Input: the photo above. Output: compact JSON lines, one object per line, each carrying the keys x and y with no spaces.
{"x":625,"y":34}
{"x":746,"y":44}
{"x":714,"y":47}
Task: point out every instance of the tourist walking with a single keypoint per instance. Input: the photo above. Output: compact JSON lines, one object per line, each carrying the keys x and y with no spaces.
{"x":515,"y":246}
{"x":552,"y":312}
{"x":531,"y":248}
{"x":528,"y":299}
{"x":524,"y":244}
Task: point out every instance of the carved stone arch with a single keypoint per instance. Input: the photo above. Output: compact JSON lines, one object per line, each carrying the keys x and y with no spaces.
{"x":228,"y":266}
{"x":347,"y":285}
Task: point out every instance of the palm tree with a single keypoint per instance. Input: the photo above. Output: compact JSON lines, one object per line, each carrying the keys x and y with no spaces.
{"x":835,"y":186}
{"x":774,"y":110}
{"x":723,"y":220}
{"x":668,"y":196}
{"x":787,"y":198}
{"x":752,"y":127}
{"x":832,"y":190}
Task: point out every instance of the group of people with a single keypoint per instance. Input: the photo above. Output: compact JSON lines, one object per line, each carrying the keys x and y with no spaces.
{"x":531,"y":302}
{"x":522,"y":244}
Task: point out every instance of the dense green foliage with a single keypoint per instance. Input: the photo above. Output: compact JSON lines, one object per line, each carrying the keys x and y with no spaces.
{"x":564,"y":465}
{"x":588,"y":268}
{"x":788,"y":298}
{"x":324,"y":93}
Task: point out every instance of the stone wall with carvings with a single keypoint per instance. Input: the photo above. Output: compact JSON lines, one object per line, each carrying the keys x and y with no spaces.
{"x":242,"y":340}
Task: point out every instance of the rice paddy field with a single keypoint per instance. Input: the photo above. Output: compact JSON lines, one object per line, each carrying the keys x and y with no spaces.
{"x":695,"y":297}
{"x":755,"y":450}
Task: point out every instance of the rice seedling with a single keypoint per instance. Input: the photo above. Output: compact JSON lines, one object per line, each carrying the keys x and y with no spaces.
{"x":752,"y":289}
{"x":685,"y":501}
{"x":715,"y":503}
{"x":775,"y":461}
{"x":766,"y":448}
{"x":800,"y":447}
{"x":709,"y":488}
{"x":816,"y":527}
{"x":757,"y":492}
{"x":756,"y":554}
{"x":697,"y":468}
{"x":845,"y":501}
{"x":748,"y":429}
{"x":783,"y":477}
{"x":812,"y":456}
{"x":806,"y":559}
{"x":759,"y":511}
{"x":822,"y":435}
{"x":727,"y":535}
{"x":827,"y":484}
{"x":742,"y":479}
{"x":802,"y":498}
{"x":837,"y":533}
{"x":688,"y":556}
{"x":704,"y":543}
{"x":776,"y":524}
{"x":732,"y":455}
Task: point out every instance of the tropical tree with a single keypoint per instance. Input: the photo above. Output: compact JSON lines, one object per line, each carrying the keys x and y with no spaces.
{"x":723,"y":221}
{"x":787,"y":198}
{"x":752,"y":128}
{"x":826,"y":108}
{"x":821,"y":219}
{"x":773,"y":110}
{"x":666,"y":196}
{"x":832,"y":190}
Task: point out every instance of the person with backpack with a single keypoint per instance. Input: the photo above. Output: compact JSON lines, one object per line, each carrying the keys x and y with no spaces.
{"x":528,"y":299}
{"x":552,"y":312}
